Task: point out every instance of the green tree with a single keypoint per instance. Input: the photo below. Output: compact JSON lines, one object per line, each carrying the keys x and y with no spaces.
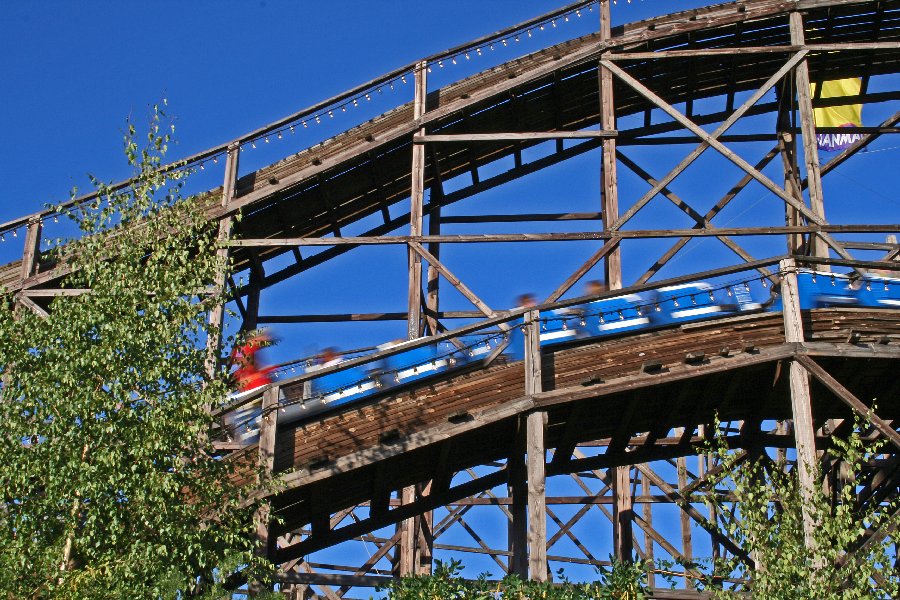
{"x":110,"y":485}
{"x":769,"y":526}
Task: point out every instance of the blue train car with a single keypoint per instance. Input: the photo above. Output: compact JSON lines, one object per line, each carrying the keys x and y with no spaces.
{"x":820,"y":290}
{"x":688,"y":302}
{"x":424,"y":361}
{"x":612,"y":316}
{"x":883,"y":292}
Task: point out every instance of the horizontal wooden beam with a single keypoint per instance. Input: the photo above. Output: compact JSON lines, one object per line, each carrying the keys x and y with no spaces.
{"x":852,"y":46}
{"x":510,"y":136}
{"x":343,"y":317}
{"x":562,"y":237}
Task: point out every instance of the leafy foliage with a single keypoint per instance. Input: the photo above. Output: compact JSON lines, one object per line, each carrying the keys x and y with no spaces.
{"x":622,"y":582}
{"x":110,"y":486}
{"x":769,"y":525}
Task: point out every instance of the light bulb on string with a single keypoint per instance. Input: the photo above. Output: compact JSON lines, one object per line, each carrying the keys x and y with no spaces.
{"x":280,"y":136}
{"x":266,"y":140}
{"x":253,"y":144}
{"x":215,"y":159}
{"x":355,"y":102}
{"x":729,"y":291}
{"x":292,"y":127}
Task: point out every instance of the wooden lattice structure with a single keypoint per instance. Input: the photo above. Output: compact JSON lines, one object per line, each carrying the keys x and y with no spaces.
{"x":621,"y":416}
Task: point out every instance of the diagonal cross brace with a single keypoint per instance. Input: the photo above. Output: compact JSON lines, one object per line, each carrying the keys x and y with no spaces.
{"x":711,"y":140}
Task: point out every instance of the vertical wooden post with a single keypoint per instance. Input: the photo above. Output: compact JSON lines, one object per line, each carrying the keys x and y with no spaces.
{"x":32,"y":251}
{"x":687,"y":545}
{"x":801,"y":405}
{"x":535,"y":452}
{"x":417,"y":192}
{"x":268,"y":425}
{"x":406,"y":548}
{"x":622,"y":509}
{"x":808,"y":129}
{"x":648,"y":518}
{"x":609,"y":186}
{"x":432,"y":298}
{"x":623,"y":542}
{"x":217,"y":314}
{"x":518,"y":491}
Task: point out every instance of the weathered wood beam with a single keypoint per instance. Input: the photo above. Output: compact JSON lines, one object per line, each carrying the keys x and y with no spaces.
{"x":801,"y":402}
{"x":609,"y":186}
{"x":499,"y":137}
{"x":847,"y":397}
{"x":808,"y":125}
{"x":452,"y":279}
{"x":535,"y":453}
{"x":217,"y":314}
{"x":784,"y":49}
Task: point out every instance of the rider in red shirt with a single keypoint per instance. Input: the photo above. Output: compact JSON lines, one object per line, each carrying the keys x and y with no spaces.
{"x":249,"y":375}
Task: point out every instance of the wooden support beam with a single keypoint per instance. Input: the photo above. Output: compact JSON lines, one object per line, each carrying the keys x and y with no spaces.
{"x":845,"y":396}
{"x":687,"y":545}
{"x":609,"y":187}
{"x":454,"y":281}
{"x":517,"y":540}
{"x":32,"y":250}
{"x":801,"y":403}
{"x":623,"y":514}
{"x":265,"y":541}
{"x":217,"y":314}
{"x":808,"y":126}
{"x":527,"y":136}
{"x":535,"y":452}
{"x":417,"y":193}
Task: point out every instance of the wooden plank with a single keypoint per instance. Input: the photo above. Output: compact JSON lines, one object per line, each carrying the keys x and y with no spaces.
{"x":858,"y":407}
{"x":808,"y":125}
{"x":532,"y":135}
{"x":268,"y":427}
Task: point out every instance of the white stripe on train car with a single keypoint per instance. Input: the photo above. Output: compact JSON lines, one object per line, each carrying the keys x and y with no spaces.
{"x":889,"y":302}
{"x":350,"y":391}
{"x":421,"y":369}
{"x":625,"y":323}
{"x":692,"y":312}
{"x":555,"y":335}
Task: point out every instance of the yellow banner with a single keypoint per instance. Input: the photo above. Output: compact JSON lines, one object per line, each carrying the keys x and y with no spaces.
{"x":849,"y":115}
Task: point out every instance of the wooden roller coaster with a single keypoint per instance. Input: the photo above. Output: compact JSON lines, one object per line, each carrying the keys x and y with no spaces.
{"x":381,"y":486}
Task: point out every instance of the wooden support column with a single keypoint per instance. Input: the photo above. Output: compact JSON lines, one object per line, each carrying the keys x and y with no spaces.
{"x":609,"y":187}
{"x":32,"y":250}
{"x":406,"y":547}
{"x":808,"y":129}
{"x":622,"y":509}
{"x":648,"y":519}
{"x":687,"y":545}
{"x":801,"y":404}
{"x":268,"y":425}
{"x":517,"y":540}
{"x":217,"y":314}
{"x":417,"y":192}
{"x":623,"y":542}
{"x":535,"y":453}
